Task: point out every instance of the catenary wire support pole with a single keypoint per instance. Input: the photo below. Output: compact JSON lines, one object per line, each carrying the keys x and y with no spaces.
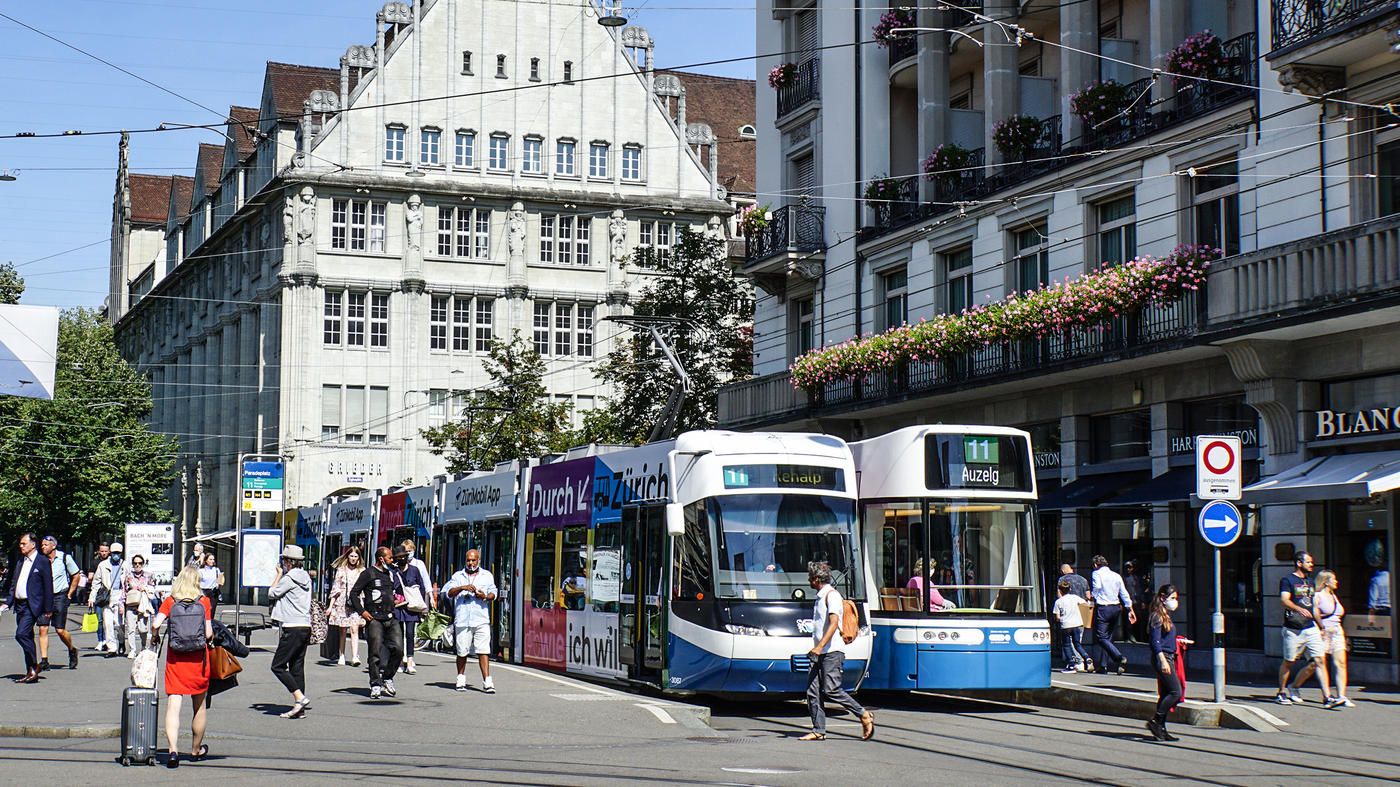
{"x":670,"y":414}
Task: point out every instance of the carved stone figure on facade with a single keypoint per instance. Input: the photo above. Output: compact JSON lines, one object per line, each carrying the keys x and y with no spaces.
{"x":617,"y":237}
{"x":288,"y":220}
{"x":515,"y":230}
{"x":413,"y":218}
{"x":714,"y":228}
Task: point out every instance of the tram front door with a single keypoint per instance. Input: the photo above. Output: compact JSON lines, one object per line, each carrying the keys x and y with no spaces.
{"x":645,"y":593}
{"x":498,"y":557}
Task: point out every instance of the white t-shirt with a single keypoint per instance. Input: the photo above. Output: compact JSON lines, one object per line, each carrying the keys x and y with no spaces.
{"x":1067,"y":611}
{"x":829,"y":602}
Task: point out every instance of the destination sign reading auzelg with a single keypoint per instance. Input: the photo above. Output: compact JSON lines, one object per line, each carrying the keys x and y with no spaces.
{"x":784,"y":477}
{"x":977,"y":462}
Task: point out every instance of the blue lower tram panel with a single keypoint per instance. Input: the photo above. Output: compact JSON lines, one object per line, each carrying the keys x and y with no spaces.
{"x":898,"y":666}
{"x":692,"y":668}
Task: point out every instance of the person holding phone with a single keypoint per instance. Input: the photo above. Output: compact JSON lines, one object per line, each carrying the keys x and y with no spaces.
{"x":472,"y":590}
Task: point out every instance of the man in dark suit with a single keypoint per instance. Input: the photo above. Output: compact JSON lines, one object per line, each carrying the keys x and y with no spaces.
{"x":31,"y":597}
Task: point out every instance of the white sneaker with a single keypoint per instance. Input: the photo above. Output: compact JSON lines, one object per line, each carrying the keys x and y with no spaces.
{"x":1282,"y":699}
{"x":389,"y":688}
{"x":1345,"y":703}
{"x":461,"y":683}
{"x":1296,"y":698}
{"x":375,"y":692}
{"x":340,"y":662}
{"x":488,"y":687}
{"x":1079,"y":667}
{"x":410,"y":668}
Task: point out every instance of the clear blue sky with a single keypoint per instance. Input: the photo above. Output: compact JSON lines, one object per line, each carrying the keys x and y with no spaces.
{"x":212,"y":51}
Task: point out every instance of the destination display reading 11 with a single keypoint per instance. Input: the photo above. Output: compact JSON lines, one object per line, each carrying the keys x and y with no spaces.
{"x":784,"y":477}
{"x":977,"y":462}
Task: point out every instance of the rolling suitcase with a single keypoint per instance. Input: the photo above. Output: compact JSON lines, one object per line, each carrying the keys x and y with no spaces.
{"x":140,"y":708}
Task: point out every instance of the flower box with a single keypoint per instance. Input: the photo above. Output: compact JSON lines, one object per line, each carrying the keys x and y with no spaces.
{"x":782,"y":75}
{"x":1099,"y":103}
{"x":1017,"y":136}
{"x":893,"y":19}
{"x":753,"y":219}
{"x":1200,"y":56}
{"x":946,"y":162}
{"x":882,"y":189}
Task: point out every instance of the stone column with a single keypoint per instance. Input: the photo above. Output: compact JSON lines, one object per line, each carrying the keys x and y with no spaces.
{"x":1166,"y":23}
{"x":999,"y":56}
{"x":1079,"y":28}
{"x":403,"y":337}
{"x":933,"y":86}
{"x":517,"y":277}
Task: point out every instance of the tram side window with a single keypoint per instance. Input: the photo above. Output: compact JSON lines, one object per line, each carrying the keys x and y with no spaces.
{"x":694,"y":563}
{"x":574,"y":586}
{"x":899,"y":556}
{"x":605,"y":570}
{"x":542,"y":581}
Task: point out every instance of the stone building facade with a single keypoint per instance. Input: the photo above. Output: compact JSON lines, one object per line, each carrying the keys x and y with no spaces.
{"x":328,"y":283}
{"x":1290,"y":345}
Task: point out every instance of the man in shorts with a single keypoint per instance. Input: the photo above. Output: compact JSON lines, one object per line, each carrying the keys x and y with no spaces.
{"x":472,"y":590}
{"x":1302,"y":633}
{"x":65,"y":584}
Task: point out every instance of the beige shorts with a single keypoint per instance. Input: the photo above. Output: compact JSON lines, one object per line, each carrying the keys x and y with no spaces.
{"x":1296,"y":642}
{"x":474,"y":640}
{"x":1334,"y":643}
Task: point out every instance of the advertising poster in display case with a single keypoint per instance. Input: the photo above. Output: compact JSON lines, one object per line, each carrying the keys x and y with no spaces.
{"x":259,"y":552}
{"x":154,"y":541}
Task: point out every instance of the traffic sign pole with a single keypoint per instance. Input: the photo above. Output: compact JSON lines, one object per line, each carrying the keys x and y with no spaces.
{"x":1220,"y":525}
{"x":1217,"y":634}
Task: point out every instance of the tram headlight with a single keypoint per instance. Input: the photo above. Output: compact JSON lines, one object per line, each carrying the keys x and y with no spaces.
{"x":746,"y":631}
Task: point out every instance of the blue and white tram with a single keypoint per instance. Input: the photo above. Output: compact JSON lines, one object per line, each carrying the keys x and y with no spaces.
{"x":950,"y":539}
{"x":683,"y":564}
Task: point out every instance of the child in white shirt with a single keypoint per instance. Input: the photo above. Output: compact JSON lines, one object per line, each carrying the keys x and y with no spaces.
{"x":1066,"y":612}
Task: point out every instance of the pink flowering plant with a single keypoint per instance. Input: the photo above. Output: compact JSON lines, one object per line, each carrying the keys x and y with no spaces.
{"x":1201,"y":55}
{"x":1099,"y":102}
{"x":893,"y":19}
{"x":1092,"y":299}
{"x":1016,"y":136}
{"x":946,"y":160}
{"x":882,"y":189}
{"x":782,"y":75}
{"x":753,"y":219}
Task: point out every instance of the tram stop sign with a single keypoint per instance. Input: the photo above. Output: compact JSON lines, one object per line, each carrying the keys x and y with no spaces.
{"x":1218,"y":474}
{"x":1220,"y":523}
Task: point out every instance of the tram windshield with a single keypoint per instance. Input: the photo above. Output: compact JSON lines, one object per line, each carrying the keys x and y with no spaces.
{"x":968,"y":556}
{"x":765,"y":541}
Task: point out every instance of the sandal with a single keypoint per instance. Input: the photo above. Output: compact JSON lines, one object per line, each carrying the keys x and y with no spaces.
{"x":297,"y":711}
{"x":201,"y":753}
{"x":813,"y":736}
{"x":173,"y":761}
{"x":867,"y":726}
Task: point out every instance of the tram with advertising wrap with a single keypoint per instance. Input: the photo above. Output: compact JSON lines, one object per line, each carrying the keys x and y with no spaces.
{"x":951,"y":545}
{"x":683,"y":564}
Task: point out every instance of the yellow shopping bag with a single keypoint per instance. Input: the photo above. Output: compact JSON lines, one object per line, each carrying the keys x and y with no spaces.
{"x":89,"y":622}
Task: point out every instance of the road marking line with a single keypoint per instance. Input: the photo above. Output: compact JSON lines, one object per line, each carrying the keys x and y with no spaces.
{"x":573,"y":684}
{"x":661,"y":715}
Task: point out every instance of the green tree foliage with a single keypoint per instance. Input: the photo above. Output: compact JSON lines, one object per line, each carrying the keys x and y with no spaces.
{"x":11,"y":285}
{"x":513,"y":418}
{"x":697,"y":284}
{"x":84,"y":463}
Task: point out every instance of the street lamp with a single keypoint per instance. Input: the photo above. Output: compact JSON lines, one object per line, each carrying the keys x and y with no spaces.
{"x":614,"y":17}
{"x":8,"y":175}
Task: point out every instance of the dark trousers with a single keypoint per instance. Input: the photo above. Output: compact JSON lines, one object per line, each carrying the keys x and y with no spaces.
{"x":385,"y":638}
{"x":824,"y":683}
{"x":1105,"y":620}
{"x":25,"y":620}
{"x":1168,"y":688}
{"x":410,"y":631}
{"x":1072,"y":645}
{"x":213,"y":595}
{"x":101,"y":630}
{"x":289,"y":662}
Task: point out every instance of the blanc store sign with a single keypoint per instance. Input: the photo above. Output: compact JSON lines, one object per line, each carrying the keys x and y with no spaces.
{"x":1349,"y":423}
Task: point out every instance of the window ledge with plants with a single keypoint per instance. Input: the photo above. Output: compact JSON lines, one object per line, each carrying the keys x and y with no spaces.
{"x":1093,"y":301}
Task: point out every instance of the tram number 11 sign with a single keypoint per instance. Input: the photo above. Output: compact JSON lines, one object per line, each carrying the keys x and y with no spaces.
{"x":1218,"y":473}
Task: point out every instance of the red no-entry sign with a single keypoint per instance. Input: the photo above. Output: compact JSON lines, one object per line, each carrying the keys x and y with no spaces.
{"x":1218,"y":472}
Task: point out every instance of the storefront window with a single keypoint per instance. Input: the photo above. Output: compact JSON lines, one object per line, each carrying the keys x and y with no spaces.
{"x":1120,"y":435}
{"x":1363,"y":394}
{"x":1045,"y":444}
{"x":1359,"y":544}
{"x":1124,"y":537}
{"x":1241,"y":585}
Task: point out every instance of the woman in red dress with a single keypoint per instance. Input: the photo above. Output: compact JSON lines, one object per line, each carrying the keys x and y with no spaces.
{"x":186,"y":672}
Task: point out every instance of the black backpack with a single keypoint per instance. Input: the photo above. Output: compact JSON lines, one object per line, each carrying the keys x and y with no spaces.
{"x":187,"y":627}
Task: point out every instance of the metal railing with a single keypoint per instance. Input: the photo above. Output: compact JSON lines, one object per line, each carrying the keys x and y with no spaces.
{"x":805,"y":87}
{"x":902,"y":48}
{"x":792,"y":228}
{"x":1296,"y":21}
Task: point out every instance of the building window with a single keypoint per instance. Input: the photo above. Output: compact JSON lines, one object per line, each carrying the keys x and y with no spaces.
{"x":500,"y":152}
{"x":598,"y":160}
{"x":355,"y":319}
{"x":564,"y":158}
{"x":1120,"y":436}
{"x":631,"y":162}
{"x":393,"y":143}
{"x":532,"y":160}
{"x":485,"y":324}
{"x":354,"y":431}
{"x":379,"y":320}
{"x":1032,"y":265}
{"x":564,"y":240}
{"x":803,"y":327}
{"x":463,"y":231}
{"x":1117,"y":221}
{"x":330,"y":412}
{"x":747,"y":131}
{"x":500,"y":66}
{"x":563,"y":329}
{"x":568,"y":71}
{"x":437,"y":322}
{"x":430,"y":146}
{"x":378,"y":425}
{"x":657,"y":238}
{"x":467,"y":63}
{"x":957,"y":268}
{"x":461,"y":324}
{"x":894,"y":286}
{"x":331,"y":318}
{"x":534,"y":69}
{"x":357,"y":225}
{"x":541,"y":324}
{"x":464,"y":153}
{"x":1215,"y":206}
{"x":1388,"y":178}
{"x":583,"y":342}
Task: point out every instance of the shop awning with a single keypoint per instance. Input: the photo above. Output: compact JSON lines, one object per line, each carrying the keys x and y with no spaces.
{"x":1089,"y":491}
{"x":1169,"y":487}
{"x":223,"y":535}
{"x":1342,"y":477}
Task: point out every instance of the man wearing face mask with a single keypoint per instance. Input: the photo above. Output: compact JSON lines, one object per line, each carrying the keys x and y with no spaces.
{"x":104,"y":596}
{"x":374,"y":597}
{"x":472,"y":590}
{"x":103,"y":554}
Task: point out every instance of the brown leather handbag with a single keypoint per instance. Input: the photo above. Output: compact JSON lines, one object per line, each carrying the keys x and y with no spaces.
{"x":222,"y":664}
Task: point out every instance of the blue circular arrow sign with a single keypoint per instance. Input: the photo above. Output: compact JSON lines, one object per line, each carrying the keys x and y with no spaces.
{"x":1220,"y":523}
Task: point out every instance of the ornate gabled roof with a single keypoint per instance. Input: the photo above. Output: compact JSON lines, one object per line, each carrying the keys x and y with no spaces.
{"x":290,"y":85}
{"x":150,"y":198}
{"x":210,"y":167}
{"x":181,"y":196}
{"x":242,"y":127}
{"x":726,"y":105}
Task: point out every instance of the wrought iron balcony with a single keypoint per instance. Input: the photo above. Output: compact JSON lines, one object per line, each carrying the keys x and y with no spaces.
{"x":793,"y":228}
{"x":805,"y":87}
{"x":902,"y":48}
{"x":1297,"y":21}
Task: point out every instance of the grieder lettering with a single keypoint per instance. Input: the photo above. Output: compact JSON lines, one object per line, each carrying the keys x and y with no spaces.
{"x":981,"y":475}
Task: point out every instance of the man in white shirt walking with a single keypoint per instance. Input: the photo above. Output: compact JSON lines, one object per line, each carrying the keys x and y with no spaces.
{"x":828,"y":656}
{"x":1110,"y":599}
{"x":472,"y":590}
